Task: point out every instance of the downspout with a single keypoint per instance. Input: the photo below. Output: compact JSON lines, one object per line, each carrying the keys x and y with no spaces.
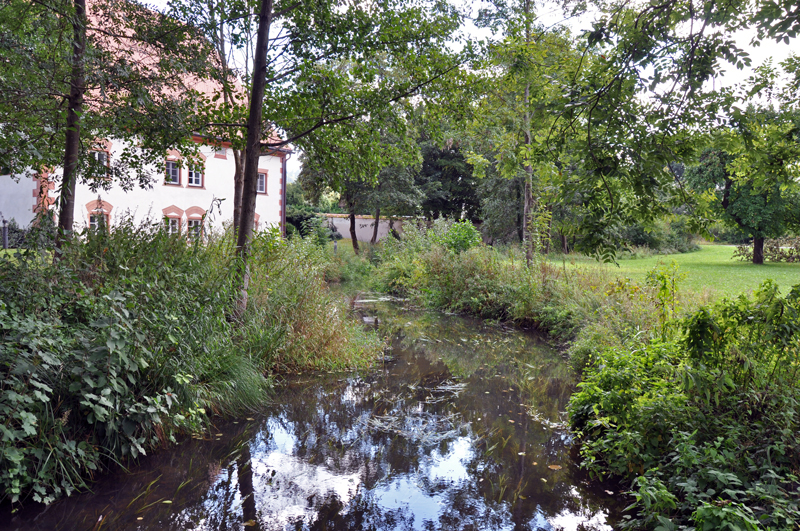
{"x":283,"y":194}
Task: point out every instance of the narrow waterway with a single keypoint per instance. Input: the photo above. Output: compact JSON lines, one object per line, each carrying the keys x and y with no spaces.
{"x":459,"y":428}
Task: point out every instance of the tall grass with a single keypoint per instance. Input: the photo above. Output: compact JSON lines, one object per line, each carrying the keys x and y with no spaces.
{"x":587,"y":309}
{"x":127,"y":340}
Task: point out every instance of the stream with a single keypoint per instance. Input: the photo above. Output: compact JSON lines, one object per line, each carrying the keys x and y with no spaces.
{"x":460,"y":427}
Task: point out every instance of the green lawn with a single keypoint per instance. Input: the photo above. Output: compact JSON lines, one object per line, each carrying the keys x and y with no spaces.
{"x":710,"y":269}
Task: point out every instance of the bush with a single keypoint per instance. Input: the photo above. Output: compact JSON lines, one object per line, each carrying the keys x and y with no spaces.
{"x":461,"y":236}
{"x":775,"y":250}
{"x":668,"y":235}
{"x":705,"y":427}
{"x":126,"y":341}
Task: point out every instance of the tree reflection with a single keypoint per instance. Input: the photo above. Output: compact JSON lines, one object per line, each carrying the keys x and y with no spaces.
{"x":442,"y":439}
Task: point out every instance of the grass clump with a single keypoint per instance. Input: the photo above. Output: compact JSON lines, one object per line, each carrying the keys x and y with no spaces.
{"x":126,"y":341}
{"x":587,"y":308}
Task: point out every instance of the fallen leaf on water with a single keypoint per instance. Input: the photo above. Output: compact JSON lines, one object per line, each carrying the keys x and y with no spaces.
{"x":249,"y":418}
{"x":249,"y":523}
{"x":167,"y":501}
{"x":521,"y":497}
{"x":609,"y":492}
{"x":140,"y":518}
{"x":535,"y":463}
{"x":554,"y":467}
{"x":544,"y":480}
{"x":511,"y":421}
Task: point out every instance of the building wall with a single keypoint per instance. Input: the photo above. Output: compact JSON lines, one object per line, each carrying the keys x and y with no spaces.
{"x":180,"y":201}
{"x":18,"y":198}
{"x":364,"y":226}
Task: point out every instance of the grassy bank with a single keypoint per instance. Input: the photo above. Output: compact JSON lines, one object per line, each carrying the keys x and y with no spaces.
{"x":127,"y":341}
{"x":692,"y":401}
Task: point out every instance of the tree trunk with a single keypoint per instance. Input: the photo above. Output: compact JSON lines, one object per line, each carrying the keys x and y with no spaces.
{"x":238,"y":182}
{"x":548,"y":236}
{"x":244,"y":473}
{"x":66,"y":201}
{"x":252,"y":152}
{"x":758,"y":251}
{"x":353,"y":231}
{"x":392,"y":231}
{"x":528,"y":216}
{"x":520,"y":219}
{"x":374,"y":239}
{"x":564,"y":244}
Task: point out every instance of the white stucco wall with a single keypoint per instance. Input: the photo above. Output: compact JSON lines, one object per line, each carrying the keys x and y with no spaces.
{"x":18,"y":199}
{"x":160,"y":199}
{"x":364,"y":226}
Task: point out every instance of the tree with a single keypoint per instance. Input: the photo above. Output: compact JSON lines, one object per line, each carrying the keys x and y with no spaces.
{"x":515,"y":116}
{"x":324,"y":65}
{"x":760,"y":210}
{"x":368,"y":170}
{"x":644,"y":98}
{"x":446,"y":182}
{"x":113,"y":71}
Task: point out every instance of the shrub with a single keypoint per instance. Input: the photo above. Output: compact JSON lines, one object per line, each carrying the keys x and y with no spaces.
{"x":705,"y":427}
{"x":126,"y":341}
{"x":775,"y":250}
{"x":461,"y":236}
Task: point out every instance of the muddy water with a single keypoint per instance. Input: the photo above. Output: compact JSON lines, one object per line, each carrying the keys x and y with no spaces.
{"x":459,"y":428}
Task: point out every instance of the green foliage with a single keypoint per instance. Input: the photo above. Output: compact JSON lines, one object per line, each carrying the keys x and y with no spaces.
{"x":493,"y":283}
{"x":664,"y":281}
{"x":775,"y":250}
{"x":705,"y":426}
{"x":460,"y":236}
{"x":446,"y":182}
{"x":760,"y":205}
{"x":126,"y":341}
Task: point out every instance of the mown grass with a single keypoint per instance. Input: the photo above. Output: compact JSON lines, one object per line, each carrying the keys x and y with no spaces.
{"x":711,"y":269}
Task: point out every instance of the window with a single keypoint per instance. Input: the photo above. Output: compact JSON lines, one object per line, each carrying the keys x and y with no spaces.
{"x":195,"y":176}
{"x":262,"y":183}
{"x":194,"y":228}
{"x":173,"y":225}
{"x":173,"y":173}
{"x":100,"y":158}
{"x":97,"y":220}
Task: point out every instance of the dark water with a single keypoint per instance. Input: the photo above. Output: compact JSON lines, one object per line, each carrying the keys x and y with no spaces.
{"x":460,"y":429}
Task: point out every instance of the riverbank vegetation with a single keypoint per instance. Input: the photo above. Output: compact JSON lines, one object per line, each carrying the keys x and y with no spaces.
{"x":127,"y":341}
{"x":691,"y":399}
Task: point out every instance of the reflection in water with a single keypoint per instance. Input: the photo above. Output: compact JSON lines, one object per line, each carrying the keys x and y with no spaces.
{"x":443,"y":437}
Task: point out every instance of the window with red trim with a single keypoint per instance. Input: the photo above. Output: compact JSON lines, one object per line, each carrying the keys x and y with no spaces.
{"x":194,"y":228}
{"x":172,"y":225}
{"x":173,"y":175}
{"x":195,"y":176}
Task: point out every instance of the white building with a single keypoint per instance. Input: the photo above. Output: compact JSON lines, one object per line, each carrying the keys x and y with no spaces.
{"x":182,"y":194}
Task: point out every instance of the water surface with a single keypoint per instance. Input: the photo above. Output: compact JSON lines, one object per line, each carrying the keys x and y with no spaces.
{"x":460,"y":428}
